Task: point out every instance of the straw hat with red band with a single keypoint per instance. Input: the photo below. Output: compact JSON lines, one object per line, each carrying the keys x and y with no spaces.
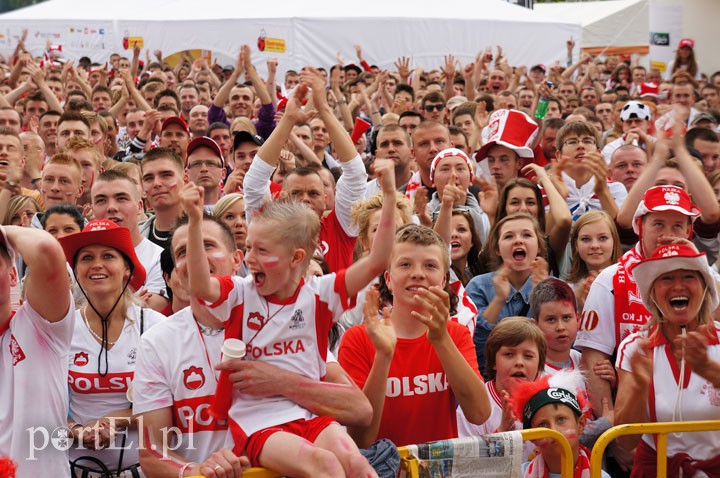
{"x":668,"y":258}
{"x":664,"y":198}
{"x":512,"y":129}
{"x":106,"y":233}
{"x":447,"y":153}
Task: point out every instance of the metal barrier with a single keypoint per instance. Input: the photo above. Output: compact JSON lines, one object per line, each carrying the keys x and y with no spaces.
{"x":410,"y":463}
{"x":660,"y":429}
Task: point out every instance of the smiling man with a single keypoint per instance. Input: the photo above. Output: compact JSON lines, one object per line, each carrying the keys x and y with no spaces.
{"x":162,"y":176}
{"x":115,"y":197}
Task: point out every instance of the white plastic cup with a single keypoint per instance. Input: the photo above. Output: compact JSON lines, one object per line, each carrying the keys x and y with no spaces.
{"x":233,"y":349}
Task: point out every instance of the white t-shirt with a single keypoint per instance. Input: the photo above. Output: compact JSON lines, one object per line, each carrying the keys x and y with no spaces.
{"x":148,"y":253}
{"x":93,"y":396}
{"x":33,"y":391}
{"x":575,"y":357}
{"x":700,"y":400}
{"x":292,"y":335}
{"x":583,"y":199}
{"x":597,"y":325}
{"x":175,"y":369}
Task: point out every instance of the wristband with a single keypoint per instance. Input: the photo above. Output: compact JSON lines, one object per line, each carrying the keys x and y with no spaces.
{"x":185,"y":467}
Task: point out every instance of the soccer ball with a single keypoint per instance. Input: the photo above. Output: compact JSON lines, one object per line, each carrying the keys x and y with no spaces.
{"x":634,"y":109}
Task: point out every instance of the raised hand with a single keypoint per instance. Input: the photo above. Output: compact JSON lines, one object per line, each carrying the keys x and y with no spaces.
{"x":381,"y":332}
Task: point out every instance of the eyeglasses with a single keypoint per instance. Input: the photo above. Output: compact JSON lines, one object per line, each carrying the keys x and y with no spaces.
{"x":574,"y":142}
{"x":207,"y":163}
{"x":438,"y":107}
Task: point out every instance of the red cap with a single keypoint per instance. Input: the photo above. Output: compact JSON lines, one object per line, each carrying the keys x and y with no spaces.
{"x":107,"y":233}
{"x":664,"y":198}
{"x":688,"y":42}
{"x":206,"y":142}
{"x":176,"y":120}
{"x":648,"y":89}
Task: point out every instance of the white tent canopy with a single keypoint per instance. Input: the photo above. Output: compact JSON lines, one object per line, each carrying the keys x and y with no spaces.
{"x":613,"y":23}
{"x":311,"y":32}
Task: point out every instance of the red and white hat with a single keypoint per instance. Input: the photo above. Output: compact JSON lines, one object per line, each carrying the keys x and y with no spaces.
{"x":664,"y":198}
{"x":648,"y":90}
{"x":668,"y":258}
{"x":446,"y":153}
{"x":512,"y":129}
{"x":106,"y":233}
{"x":688,"y":42}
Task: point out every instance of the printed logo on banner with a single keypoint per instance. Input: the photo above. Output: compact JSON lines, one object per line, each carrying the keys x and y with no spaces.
{"x":659,"y":39}
{"x":265,"y":43}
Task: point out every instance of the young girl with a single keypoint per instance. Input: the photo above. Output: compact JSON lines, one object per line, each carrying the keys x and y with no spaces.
{"x":595,"y":245}
{"x":516,"y":351}
{"x":523,"y":195}
{"x":465,"y":247}
{"x":517,"y":253}
{"x":415,"y":363}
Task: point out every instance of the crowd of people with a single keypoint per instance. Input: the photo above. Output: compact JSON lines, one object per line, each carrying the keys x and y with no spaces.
{"x":204,"y":270}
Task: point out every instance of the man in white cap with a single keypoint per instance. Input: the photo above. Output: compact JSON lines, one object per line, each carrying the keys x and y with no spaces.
{"x":613,"y":308}
{"x":635,"y":117}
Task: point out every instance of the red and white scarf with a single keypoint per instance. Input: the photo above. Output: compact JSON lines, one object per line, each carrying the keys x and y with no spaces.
{"x":537,"y":468}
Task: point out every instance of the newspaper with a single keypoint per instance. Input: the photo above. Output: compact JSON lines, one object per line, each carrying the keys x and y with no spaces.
{"x":499,"y":455}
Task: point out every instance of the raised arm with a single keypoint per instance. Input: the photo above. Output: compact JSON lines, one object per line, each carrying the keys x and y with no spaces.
{"x":47,"y":282}
{"x":38,"y":76}
{"x":366,"y":269}
{"x":260,"y":88}
{"x":223,"y":94}
{"x":202,"y":284}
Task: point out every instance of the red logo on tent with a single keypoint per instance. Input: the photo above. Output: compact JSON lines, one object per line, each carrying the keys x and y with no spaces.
{"x":194,"y":378}
{"x":81,"y":359}
{"x":17,"y":353}
{"x":256,"y":321}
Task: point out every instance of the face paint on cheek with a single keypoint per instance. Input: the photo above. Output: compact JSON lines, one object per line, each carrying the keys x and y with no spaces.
{"x":270,"y":261}
{"x":172,"y":185}
{"x":218,"y":256}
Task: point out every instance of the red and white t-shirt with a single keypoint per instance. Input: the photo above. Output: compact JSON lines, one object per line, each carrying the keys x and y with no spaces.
{"x":93,"y":396}
{"x":419,"y":403}
{"x":290,"y":334}
{"x":33,"y":391}
{"x":175,"y":369}
{"x":338,"y":234}
{"x":700,"y":400}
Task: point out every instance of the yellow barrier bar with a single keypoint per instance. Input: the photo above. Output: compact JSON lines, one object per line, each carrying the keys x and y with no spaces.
{"x":661,"y":429}
{"x":568,"y":465}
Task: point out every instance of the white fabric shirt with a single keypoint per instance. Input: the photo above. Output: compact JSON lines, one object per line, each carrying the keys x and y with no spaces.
{"x":33,"y":391}
{"x":583,"y":199}
{"x":700,"y":400}
{"x":93,"y":396}
{"x":292,"y":335}
{"x":597,"y":325}
{"x":175,"y":369}
{"x":148,"y":254}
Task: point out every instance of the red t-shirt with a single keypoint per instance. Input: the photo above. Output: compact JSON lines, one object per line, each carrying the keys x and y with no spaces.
{"x":419,"y":403}
{"x":334,"y":243}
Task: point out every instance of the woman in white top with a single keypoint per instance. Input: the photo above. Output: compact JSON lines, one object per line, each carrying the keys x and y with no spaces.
{"x":674,"y":361}
{"x":104,"y":348}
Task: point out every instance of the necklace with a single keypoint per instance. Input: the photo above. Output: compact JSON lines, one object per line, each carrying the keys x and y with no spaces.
{"x":209,"y":331}
{"x":87,"y":323}
{"x":153,"y":231}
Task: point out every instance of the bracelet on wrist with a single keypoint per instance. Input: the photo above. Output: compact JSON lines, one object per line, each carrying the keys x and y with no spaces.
{"x":184,"y":468}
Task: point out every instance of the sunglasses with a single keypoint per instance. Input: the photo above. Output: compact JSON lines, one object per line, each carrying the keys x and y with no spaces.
{"x":438,"y":107}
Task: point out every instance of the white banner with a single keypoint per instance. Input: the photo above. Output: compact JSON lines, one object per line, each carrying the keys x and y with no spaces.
{"x":665,"y":33}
